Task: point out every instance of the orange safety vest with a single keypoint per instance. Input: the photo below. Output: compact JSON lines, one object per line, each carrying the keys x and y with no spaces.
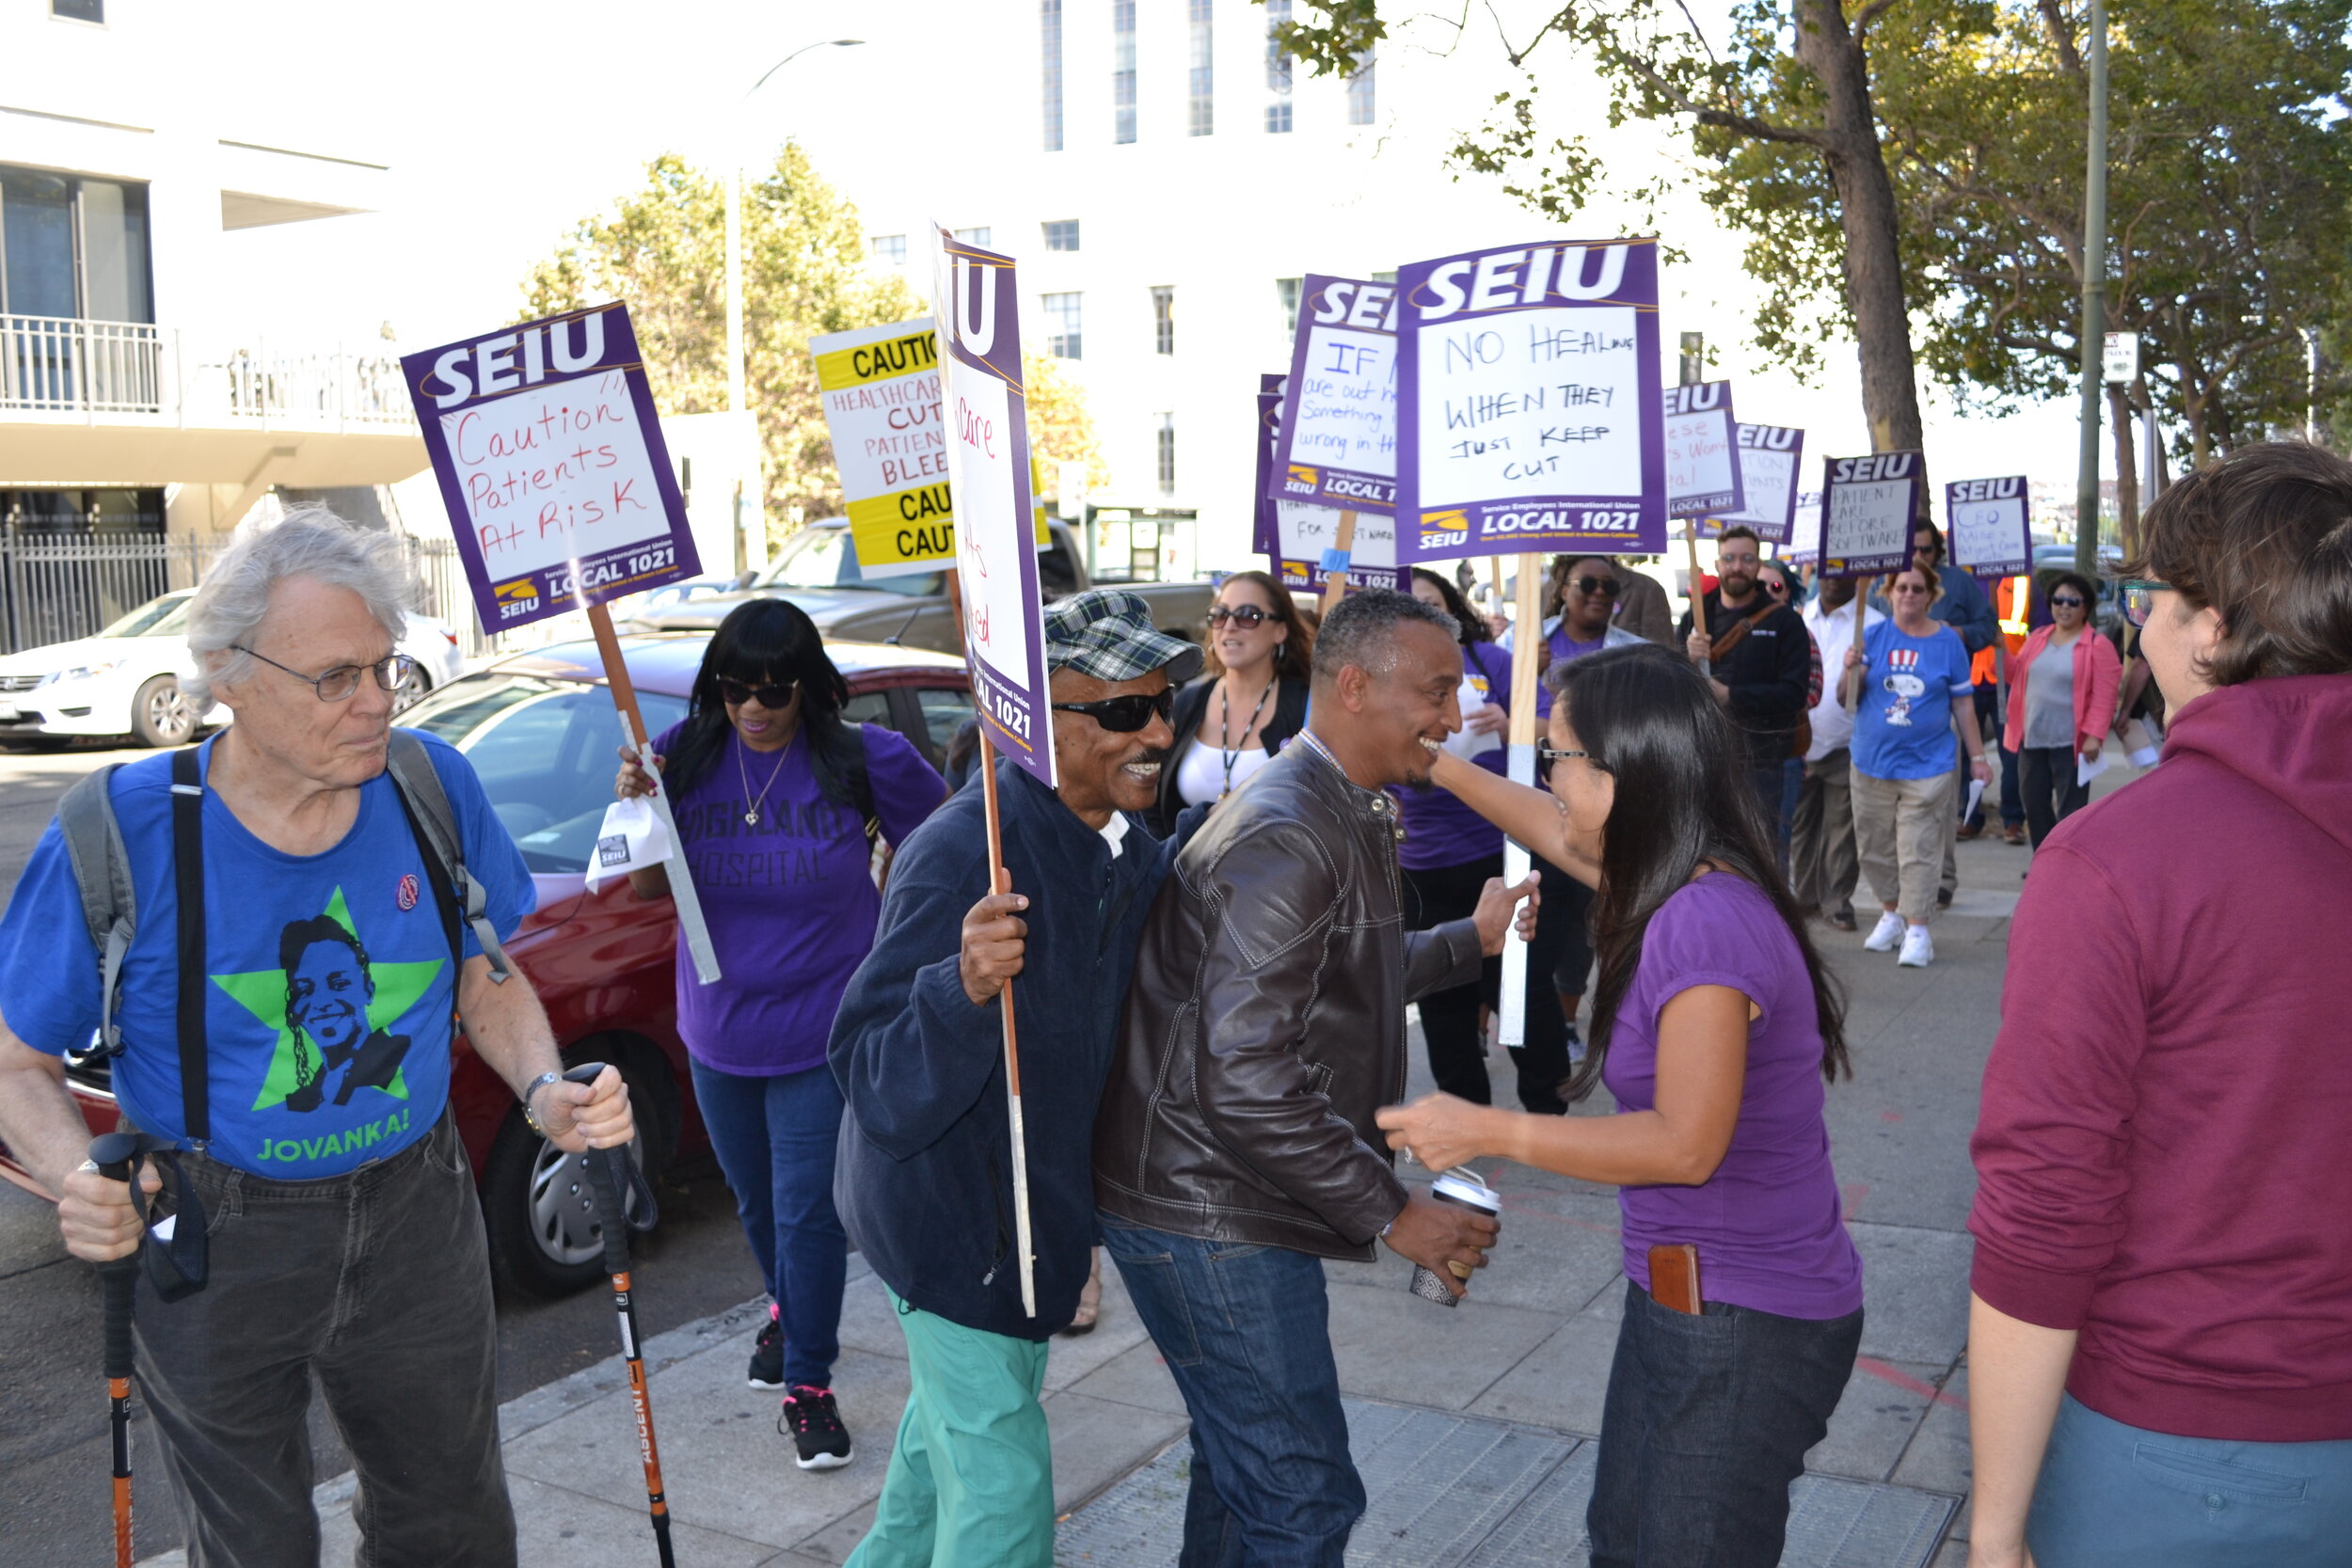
{"x":2012,"y":600}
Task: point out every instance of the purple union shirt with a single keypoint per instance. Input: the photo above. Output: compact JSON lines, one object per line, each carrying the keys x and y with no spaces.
{"x":790,"y":903}
{"x":1767,"y":1223}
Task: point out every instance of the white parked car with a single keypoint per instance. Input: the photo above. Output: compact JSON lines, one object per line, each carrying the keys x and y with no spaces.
{"x":126,"y":679}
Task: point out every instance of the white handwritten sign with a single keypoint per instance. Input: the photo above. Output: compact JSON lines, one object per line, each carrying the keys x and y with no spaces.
{"x":1992,"y":534}
{"x":1702,"y":460}
{"x":1867,"y":509}
{"x":1338,"y":438}
{"x":1768,"y":457}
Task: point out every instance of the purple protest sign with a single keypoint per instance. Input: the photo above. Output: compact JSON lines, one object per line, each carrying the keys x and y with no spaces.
{"x":1867,"y":508}
{"x":1992,"y":533}
{"x":1297,"y":538}
{"x":1528,"y":402}
{"x":1338,"y":444}
{"x":1805,"y":528}
{"x":1768,"y":457}
{"x":1702,"y":451}
{"x":1261,"y":535}
{"x":975,"y":302}
{"x":551,"y":465}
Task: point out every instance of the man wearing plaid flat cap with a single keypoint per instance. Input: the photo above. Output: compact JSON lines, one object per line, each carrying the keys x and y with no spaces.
{"x":924,"y":1182}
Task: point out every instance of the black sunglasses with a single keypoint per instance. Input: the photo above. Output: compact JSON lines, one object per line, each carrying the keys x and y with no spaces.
{"x":1124,"y":715}
{"x":1605,"y":587}
{"x":735,"y":693}
{"x":2066,"y":601}
{"x":1246,"y":615}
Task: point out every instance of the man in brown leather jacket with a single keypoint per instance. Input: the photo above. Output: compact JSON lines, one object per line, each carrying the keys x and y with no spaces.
{"x":1236,"y":1147}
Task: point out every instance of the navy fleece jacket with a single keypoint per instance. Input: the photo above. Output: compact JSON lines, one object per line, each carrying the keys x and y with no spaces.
{"x":924,"y":1182}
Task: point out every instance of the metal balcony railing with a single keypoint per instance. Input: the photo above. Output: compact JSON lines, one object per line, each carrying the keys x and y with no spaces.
{"x":51,"y":365}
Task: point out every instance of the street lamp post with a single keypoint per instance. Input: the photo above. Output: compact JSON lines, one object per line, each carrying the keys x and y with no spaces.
{"x":737,"y":397}
{"x":2095,"y":299}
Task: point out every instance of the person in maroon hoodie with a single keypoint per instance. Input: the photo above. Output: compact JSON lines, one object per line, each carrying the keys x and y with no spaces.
{"x":2160,"y":1338}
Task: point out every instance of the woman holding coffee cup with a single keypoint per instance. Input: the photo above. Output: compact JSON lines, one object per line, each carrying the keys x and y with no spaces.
{"x":1714,"y":1025}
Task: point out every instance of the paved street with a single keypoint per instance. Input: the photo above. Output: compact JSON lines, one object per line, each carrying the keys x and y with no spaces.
{"x":1526,"y":1359}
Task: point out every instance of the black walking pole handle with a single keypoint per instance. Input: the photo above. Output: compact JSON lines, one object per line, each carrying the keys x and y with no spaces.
{"x":112,"y":1154}
{"x":611,"y":1176}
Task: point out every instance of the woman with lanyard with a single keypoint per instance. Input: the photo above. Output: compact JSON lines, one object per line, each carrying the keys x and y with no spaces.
{"x":1580,"y":619}
{"x":1450,"y":850}
{"x":1249,"y":700}
{"x":773,"y":794}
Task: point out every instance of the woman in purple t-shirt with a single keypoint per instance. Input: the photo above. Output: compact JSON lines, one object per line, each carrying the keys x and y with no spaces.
{"x":776,"y":798}
{"x":1714,"y":1025}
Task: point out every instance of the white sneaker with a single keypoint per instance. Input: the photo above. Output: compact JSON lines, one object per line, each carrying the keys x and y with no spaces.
{"x":1886,"y":933}
{"x":1918,"y":948}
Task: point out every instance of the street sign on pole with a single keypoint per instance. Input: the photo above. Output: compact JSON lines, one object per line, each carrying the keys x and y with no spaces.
{"x":2119,"y":364}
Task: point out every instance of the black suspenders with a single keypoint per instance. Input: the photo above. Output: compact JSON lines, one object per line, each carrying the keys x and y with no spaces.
{"x":187,"y":861}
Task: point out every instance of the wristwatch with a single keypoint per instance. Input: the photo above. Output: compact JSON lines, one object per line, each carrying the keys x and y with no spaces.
{"x":530,"y":1090}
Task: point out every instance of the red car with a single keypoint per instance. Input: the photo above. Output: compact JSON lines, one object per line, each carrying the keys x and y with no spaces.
{"x":540,"y":730}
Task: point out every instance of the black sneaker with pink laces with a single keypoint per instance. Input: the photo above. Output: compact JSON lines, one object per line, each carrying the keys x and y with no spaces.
{"x":816,"y":1428}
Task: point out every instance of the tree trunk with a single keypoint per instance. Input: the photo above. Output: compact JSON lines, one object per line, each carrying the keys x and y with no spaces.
{"x":1866,"y":212}
{"x":2126,"y":470}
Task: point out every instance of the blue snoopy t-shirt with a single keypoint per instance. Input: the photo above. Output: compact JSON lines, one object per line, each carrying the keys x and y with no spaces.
{"x":1904,"y":717}
{"x":330,"y":984}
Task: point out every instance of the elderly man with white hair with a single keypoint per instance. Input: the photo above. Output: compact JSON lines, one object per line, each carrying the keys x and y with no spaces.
{"x":301,"y":1067}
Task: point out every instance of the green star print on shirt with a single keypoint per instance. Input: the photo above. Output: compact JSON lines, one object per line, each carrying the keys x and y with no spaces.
{"x":332,"y":1009}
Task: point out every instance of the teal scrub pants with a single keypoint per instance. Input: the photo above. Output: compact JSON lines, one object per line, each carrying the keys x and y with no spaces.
{"x":971,"y":1484}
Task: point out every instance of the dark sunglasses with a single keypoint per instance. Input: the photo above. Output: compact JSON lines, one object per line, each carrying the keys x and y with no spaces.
{"x":735,"y":693}
{"x":1553,"y":753}
{"x":1245,"y":615}
{"x":2066,"y":601}
{"x":1605,"y":587}
{"x":1124,"y":715}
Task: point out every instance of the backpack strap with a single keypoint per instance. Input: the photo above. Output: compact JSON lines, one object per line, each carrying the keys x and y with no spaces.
{"x":187,"y":866}
{"x":860,"y":779}
{"x":429,"y":814}
{"x":101,"y":873}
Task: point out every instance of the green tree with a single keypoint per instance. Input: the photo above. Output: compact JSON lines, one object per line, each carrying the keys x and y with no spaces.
{"x":1913,"y":171}
{"x":662,"y":251}
{"x":1061,"y":427}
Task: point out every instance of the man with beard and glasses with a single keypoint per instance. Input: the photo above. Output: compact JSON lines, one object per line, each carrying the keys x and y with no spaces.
{"x":1755,"y":652}
{"x":924,"y":1180}
{"x":1237,"y":1146}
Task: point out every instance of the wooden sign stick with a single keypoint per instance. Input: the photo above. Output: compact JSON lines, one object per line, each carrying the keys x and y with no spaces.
{"x":1000,"y":880}
{"x":1698,"y":594}
{"x":689,"y":907}
{"x":1527,"y":642}
{"x":1335,"y":584}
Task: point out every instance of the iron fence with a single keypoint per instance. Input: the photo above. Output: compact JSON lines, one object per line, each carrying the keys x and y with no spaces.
{"x":58,"y":584}
{"x":51,"y":365}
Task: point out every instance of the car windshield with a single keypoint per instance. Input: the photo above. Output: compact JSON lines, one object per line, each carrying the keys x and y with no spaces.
{"x":826,"y":558}
{"x":164,"y":617}
{"x":544,"y":752}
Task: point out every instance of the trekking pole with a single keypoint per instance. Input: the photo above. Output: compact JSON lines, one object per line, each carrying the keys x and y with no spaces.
{"x":119,"y":1278}
{"x":613,"y":1177}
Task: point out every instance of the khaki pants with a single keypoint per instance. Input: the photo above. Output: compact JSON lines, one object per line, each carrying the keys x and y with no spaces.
{"x":1822,"y":842}
{"x":1900,"y":826}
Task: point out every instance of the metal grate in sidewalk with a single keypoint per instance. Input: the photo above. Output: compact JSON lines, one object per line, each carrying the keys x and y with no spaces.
{"x":1457,"y":1492}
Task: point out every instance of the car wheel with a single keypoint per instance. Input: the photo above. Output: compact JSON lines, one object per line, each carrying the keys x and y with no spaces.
{"x":161,"y":714}
{"x":537,"y":1205}
{"x":412,"y":689}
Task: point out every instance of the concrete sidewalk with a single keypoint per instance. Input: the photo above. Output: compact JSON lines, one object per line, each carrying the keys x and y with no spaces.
{"x":1435,"y":1395}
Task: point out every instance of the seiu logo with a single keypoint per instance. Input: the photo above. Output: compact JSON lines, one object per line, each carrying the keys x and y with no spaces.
{"x":570,"y":344}
{"x":520,"y":589}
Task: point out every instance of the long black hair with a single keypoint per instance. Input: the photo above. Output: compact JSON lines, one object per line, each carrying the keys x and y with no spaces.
{"x":764,"y":641}
{"x":1473,"y":624}
{"x":1650,"y":720}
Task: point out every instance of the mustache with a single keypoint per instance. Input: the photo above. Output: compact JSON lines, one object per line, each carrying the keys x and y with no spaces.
{"x":1149,"y":753}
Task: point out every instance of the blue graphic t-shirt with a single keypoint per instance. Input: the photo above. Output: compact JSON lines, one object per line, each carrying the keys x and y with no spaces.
{"x":328,"y":1024}
{"x":1904,"y":717}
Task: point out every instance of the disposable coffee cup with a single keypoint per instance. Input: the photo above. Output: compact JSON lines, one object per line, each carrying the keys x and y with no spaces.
{"x":1461,"y":1185}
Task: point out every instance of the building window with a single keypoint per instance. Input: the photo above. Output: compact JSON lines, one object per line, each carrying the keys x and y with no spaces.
{"x":1163,"y":320}
{"x":1122,"y":70}
{"x":1278,"y":69}
{"x":1286,"y":289}
{"x":1383,"y":276}
{"x":79,"y":10}
{"x":1359,"y":102}
{"x":983,"y":236}
{"x":1168,"y":455}
{"x":1202,"y":84}
{"x":1061,"y":325}
{"x":45,"y":272}
{"x":1049,"y":44}
{"x":890,"y":249}
{"x":1062,"y":234}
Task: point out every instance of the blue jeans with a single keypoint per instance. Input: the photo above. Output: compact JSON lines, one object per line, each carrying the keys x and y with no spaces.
{"x":1706,"y":1421}
{"x":2111,"y":1494}
{"x":774,"y":1138}
{"x":1245,"y":1331}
